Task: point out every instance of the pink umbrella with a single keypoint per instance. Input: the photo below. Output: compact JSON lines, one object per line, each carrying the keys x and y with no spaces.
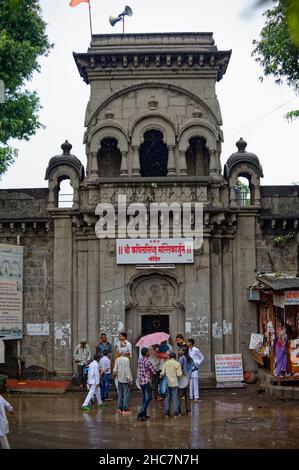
{"x":153,"y":338}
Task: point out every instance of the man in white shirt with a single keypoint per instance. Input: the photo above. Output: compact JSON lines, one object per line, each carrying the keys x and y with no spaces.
{"x":124,"y":378}
{"x":124,"y":343}
{"x":198,"y":358}
{"x":93,"y":382}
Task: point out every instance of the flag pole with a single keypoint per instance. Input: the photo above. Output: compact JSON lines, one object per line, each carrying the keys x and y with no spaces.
{"x":90,"y":21}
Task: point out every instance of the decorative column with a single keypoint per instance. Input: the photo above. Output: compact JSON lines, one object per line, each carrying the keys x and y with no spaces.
{"x":136,"y":161}
{"x":216,"y":294}
{"x":94,"y":171}
{"x":51,"y":197}
{"x":171,"y":167}
{"x":232,"y":194}
{"x":62,"y":293}
{"x":183,"y":164}
{"x":76,"y":198}
{"x":213,"y":163}
{"x":257,"y":195}
{"x":124,"y":164}
{"x":228,"y":289}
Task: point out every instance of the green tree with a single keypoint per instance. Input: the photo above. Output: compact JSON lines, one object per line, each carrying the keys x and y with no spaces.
{"x":277,"y":50}
{"x":22,"y":41}
{"x":292,"y":16}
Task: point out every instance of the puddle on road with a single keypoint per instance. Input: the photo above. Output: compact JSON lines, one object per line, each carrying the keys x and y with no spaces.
{"x":216,"y":422}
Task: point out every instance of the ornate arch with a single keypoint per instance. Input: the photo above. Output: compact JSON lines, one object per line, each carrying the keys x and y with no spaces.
{"x":198,"y":128}
{"x":150,"y":121}
{"x":249,"y":172}
{"x":105,"y":130}
{"x":56,"y":176}
{"x":151,"y":85}
{"x":137,"y":279}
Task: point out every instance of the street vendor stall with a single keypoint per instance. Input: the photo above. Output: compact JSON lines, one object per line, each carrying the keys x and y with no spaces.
{"x":276,"y":346}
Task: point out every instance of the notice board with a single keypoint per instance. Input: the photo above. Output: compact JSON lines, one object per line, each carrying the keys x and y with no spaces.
{"x":11,"y":291}
{"x":229,"y":367}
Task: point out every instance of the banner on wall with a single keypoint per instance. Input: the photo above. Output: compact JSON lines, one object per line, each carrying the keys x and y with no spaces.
{"x":154,"y":251}
{"x":11,"y":291}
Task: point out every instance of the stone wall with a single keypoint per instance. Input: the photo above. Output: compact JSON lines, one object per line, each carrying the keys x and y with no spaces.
{"x":277,"y":239}
{"x":23,"y":214}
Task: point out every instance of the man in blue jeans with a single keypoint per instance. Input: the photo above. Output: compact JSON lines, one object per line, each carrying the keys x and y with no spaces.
{"x":105,"y":368}
{"x":172,"y":369}
{"x":145,"y":372}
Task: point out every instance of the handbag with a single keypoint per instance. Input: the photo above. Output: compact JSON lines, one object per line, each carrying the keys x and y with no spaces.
{"x":194,"y":366}
{"x":163,"y":385}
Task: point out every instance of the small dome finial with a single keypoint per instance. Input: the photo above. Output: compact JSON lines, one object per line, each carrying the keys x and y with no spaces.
{"x":66,"y":147}
{"x":241,"y":144}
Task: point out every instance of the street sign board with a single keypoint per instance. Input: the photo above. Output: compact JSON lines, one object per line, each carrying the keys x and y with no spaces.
{"x":229,"y":367}
{"x":154,"y":251}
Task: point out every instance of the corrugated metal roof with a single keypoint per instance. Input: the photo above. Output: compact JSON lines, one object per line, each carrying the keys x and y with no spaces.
{"x":279,"y":282}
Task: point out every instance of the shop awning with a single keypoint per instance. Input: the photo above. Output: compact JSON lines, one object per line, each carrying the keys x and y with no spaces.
{"x":279,"y":282}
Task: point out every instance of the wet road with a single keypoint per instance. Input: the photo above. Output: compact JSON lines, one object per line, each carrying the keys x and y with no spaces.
{"x":224,"y":419}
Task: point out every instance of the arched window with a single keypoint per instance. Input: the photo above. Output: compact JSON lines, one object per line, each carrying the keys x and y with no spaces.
{"x":109,"y":158}
{"x":153,"y":154}
{"x":197,"y":157}
{"x":243,"y":191}
{"x":65,"y":193}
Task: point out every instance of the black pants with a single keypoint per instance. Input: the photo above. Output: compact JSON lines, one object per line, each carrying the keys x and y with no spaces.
{"x":155,"y":383}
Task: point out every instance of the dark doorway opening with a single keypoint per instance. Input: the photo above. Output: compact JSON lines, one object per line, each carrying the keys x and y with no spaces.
{"x":109,"y":158}
{"x":154,"y":323}
{"x":153,"y":154}
{"x":197,"y":157}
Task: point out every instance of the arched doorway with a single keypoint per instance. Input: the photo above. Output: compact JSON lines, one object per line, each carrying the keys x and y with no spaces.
{"x":154,"y":305}
{"x":197,"y":157}
{"x":153,"y":154}
{"x":109,"y":158}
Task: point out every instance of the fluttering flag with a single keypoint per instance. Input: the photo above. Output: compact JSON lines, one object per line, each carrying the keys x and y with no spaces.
{"x":74,"y":3}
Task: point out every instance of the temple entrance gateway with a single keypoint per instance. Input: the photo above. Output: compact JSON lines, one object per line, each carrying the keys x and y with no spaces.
{"x":155,"y":306}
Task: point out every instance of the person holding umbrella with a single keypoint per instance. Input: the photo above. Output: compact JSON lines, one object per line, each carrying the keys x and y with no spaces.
{"x":144,"y":343}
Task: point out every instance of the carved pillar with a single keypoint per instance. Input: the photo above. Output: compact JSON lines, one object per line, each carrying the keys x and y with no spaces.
{"x":76,"y":196}
{"x":136,"y":161}
{"x":232,"y":195}
{"x":183,"y":164}
{"x":257,"y":196}
{"x":93,"y":167}
{"x":213,"y":163}
{"x":124,"y":164}
{"x":51,"y":197}
{"x":171,"y":167}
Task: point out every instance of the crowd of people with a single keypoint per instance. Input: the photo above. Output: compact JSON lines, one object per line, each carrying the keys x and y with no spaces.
{"x":170,"y":377}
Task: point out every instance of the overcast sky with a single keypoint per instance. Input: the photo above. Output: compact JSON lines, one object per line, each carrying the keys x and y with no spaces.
{"x":250,"y":109}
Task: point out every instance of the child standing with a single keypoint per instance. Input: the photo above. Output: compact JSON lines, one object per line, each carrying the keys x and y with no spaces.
{"x":4,"y":430}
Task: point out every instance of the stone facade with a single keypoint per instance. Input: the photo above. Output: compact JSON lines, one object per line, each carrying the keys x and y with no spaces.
{"x":148,"y":91}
